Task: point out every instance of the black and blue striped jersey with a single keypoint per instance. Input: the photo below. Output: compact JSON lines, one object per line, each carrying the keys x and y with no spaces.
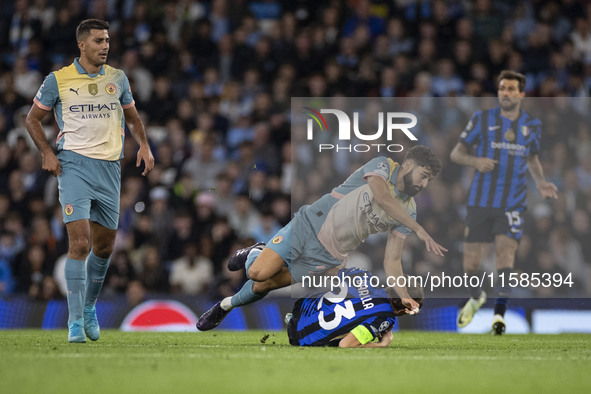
{"x":324,"y":319}
{"x":509,"y":142}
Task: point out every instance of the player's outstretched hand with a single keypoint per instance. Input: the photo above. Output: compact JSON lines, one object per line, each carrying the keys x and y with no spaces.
{"x":548,"y":190}
{"x":145,"y":155}
{"x":430,"y":244}
{"x":484,"y":164}
{"x":50,"y":163}
{"x":412,"y":307}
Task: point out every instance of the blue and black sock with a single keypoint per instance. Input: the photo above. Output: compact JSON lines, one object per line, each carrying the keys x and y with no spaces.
{"x":476,"y":290}
{"x":503,"y":293}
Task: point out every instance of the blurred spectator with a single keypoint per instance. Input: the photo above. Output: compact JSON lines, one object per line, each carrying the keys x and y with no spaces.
{"x":49,"y":289}
{"x":120,"y":273}
{"x":143,"y":79}
{"x":202,"y":166}
{"x":152,"y":275}
{"x":26,"y":80}
{"x":162,"y":103}
{"x":33,"y":177}
{"x":258,"y":190}
{"x":267,"y":227}
{"x":31,"y":266}
{"x":581,"y":224}
{"x":22,"y":27}
{"x":135,"y":293}
{"x":244,"y":218}
{"x":362,"y":17}
{"x":61,"y":35}
{"x":191,"y":273}
{"x":205,"y":213}
{"x":583,"y":171}
{"x":222,"y":237}
{"x":486,"y":20}
{"x":446,"y":82}
{"x":224,"y":197}
{"x":183,"y":232}
{"x":568,"y":255}
{"x":581,"y":37}
{"x":6,"y":280}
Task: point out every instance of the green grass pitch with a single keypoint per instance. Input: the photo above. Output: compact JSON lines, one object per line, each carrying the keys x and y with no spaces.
{"x":35,"y":361}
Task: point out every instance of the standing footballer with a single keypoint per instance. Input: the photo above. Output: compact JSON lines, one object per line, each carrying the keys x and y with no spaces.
{"x":91,"y":102}
{"x":507,"y":143}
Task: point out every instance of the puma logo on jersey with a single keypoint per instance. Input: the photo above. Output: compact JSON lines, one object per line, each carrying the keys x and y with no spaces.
{"x":75,"y":91}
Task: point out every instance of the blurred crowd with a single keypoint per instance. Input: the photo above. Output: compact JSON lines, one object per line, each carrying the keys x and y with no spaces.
{"x":213,"y":82}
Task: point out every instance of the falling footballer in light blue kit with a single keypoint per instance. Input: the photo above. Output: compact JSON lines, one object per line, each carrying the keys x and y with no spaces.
{"x":375,"y":198}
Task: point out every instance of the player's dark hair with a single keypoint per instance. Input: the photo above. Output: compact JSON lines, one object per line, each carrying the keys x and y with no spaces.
{"x":512,"y":75}
{"x":415,"y":291}
{"x":84,"y":28}
{"x":424,"y":157}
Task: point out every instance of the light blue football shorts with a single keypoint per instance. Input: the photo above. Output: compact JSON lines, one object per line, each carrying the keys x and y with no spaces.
{"x":299,"y":247}
{"x":89,"y":189}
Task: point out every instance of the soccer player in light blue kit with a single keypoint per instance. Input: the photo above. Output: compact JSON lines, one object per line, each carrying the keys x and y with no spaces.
{"x":353,"y":315}
{"x":375,"y":198}
{"x":91,"y":102}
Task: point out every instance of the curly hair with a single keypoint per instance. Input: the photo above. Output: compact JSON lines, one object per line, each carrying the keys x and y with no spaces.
{"x":424,"y":157}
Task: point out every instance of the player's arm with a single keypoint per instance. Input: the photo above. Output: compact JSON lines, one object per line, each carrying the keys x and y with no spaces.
{"x":49,"y":161}
{"x":393,"y":268}
{"x":396,"y":211}
{"x":460,"y":155}
{"x":546,"y":189}
{"x":357,"y":336}
{"x":136,"y":127}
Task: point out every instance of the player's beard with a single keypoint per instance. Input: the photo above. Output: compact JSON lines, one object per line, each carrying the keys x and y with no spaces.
{"x":509,"y":105}
{"x":409,"y":187}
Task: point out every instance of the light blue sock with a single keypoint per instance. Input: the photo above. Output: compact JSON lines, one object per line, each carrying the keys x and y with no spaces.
{"x":96,"y":269}
{"x":246,"y":296}
{"x":76,"y":285}
{"x":252,"y":256}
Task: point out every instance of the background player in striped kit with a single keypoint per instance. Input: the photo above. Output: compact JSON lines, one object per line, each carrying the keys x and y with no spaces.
{"x":506,"y":141}
{"x":353,"y":315}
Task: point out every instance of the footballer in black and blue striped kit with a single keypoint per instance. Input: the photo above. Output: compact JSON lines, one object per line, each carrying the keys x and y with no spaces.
{"x":502,"y":143}
{"x":354,"y":315}
{"x":510,"y":143}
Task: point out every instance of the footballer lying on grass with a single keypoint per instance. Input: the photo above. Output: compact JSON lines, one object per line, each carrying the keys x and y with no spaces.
{"x":353,"y":315}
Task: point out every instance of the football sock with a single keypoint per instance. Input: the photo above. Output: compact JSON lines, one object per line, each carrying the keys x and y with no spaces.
{"x":246,"y":296}
{"x":76,"y":286}
{"x":226,"y":304}
{"x":252,"y":255}
{"x":474,"y":291}
{"x":96,"y":269}
{"x":503,"y":293}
